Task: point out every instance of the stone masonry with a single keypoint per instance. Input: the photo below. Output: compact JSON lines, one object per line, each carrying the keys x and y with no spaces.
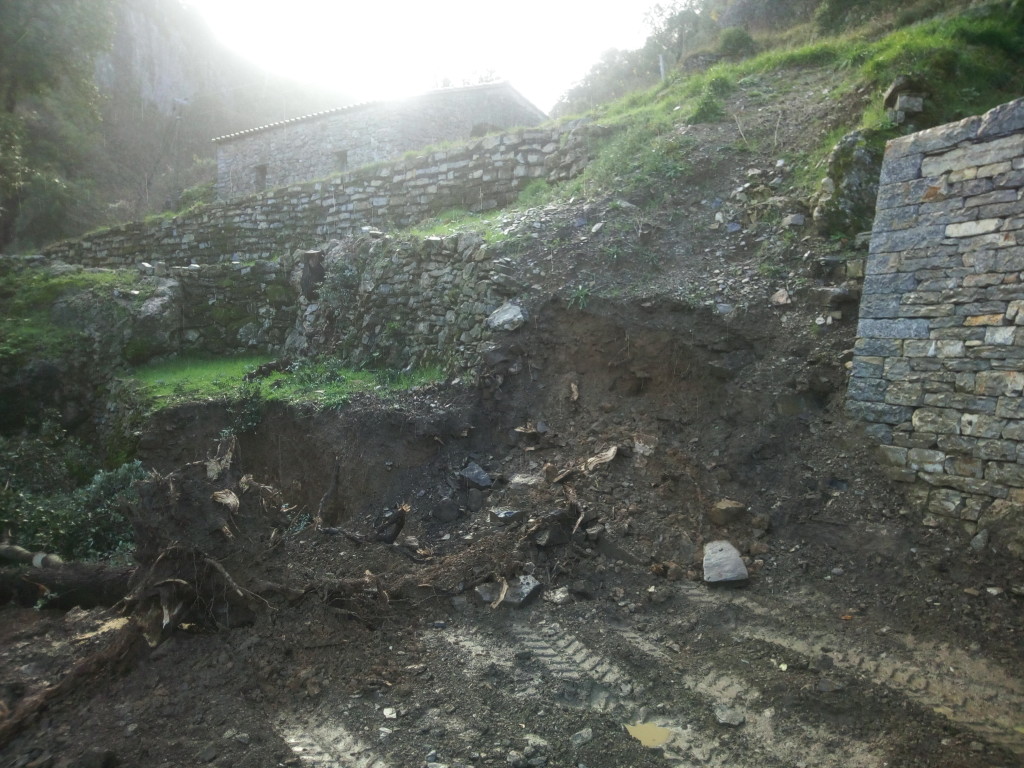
{"x":938,"y":371}
{"x":319,"y":145}
{"x":478,"y":175}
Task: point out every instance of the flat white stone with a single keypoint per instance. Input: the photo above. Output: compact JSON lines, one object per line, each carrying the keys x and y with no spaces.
{"x":722,"y":563}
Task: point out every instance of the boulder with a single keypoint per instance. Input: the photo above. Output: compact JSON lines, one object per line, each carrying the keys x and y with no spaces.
{"x":723,"y":564}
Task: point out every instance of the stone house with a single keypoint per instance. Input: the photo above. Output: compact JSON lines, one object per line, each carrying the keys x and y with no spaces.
{"x":319,"y":145}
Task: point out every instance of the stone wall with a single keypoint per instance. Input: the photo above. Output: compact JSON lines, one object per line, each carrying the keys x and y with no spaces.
{"x":479,"y":175}
{"x":384,"y":303}
{"x":389,"y":303}
{"x":316,"y":146}
{"x":938,"y":371}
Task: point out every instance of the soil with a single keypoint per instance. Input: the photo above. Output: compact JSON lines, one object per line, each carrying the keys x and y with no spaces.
{"x":860,"y":638}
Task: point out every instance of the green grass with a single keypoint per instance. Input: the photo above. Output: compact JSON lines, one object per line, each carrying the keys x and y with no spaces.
{"x":27,"y":297}
{"x":454,"y":220}
{"x":323,"y":382}
{"x":190,"y":378}
{"x":970,"y":62}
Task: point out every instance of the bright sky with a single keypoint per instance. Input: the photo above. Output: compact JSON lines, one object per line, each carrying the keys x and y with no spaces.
{"x":379,"y":49}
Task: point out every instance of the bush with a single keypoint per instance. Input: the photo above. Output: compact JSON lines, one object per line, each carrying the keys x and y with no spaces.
{"x":86,"y":524}
{"x":736,"y":42}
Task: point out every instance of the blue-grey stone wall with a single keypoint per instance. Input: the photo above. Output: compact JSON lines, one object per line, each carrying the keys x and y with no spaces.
{"x":938,"y":371}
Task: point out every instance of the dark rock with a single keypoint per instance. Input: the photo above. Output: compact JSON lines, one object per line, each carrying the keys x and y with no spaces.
{"x":474,"y":499}
{"x":503,"y":515}
{"x":475,"y":476}
{"x":447,"y":511}
{"x":551,"y":537}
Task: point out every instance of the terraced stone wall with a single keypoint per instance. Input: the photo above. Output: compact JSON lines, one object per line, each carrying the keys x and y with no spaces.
{"x":482,"y":174}
{"x":938,"y":372}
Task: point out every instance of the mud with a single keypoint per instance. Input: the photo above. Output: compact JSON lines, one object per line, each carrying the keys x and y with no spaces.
{"x":861,"y":638}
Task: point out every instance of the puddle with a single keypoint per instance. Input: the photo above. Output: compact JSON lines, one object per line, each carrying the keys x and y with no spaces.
{"x":649,"y":734}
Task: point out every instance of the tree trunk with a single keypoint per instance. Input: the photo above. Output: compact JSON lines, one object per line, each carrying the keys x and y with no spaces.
{"x":86,"y":585}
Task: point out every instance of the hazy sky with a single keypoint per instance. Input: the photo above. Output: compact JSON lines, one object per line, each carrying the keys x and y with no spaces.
{"x":378,"y":49}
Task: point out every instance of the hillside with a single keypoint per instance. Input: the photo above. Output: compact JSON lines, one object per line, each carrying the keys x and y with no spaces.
{"x":135,"y":140}
{"x":507,"y":565}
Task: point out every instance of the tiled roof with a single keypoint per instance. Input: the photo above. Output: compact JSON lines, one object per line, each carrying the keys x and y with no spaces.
{"x":362,"y":104}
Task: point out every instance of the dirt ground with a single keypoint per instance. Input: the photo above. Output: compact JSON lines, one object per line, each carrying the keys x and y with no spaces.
{"x":860,"y":638}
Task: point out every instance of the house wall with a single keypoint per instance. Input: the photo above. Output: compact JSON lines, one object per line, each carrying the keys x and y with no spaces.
{"x":938,"y":372}
{"x":308,"y":148}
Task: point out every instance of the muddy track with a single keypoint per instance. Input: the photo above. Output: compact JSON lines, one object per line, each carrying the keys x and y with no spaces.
{"x":734,"y":682}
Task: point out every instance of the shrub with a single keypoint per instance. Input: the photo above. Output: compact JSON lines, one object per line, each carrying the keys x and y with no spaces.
{"x":734,"y":41}
{"x":86,"y":524}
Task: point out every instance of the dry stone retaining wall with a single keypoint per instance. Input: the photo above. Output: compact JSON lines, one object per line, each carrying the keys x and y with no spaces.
{"x":938,"y":371}
{"x":397,"y":303}
{"x":480,"y":175}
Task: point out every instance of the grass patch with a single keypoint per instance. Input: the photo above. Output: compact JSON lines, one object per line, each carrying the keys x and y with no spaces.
{"x":455,"y":220}
{"x":322,"y":382}
{"x":186,"y":379}
{"x":27,"y":297}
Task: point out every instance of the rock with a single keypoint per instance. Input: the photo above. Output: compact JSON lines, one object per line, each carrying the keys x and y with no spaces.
{"x":507,"y":317}
{"x":558,"y":596}
{"x":551,"y":537}
{"x":734,"y":716}
{"x":580,"y":738}
{"x":475,"y":476}
{"x":723,"y":564}
{"x":447,"y":511}
{"x":825,"y":685}
{"x":845,"y":203}
{"x":521,"y":590}
{"x":780,"y":298}
{"x":794,"y":220}
{"x":488,"y":593}
{"x":980,"y":540}
{"x":208,"y":755}
{"x":474,"y":500}
{"x":726,"y":511}
{"x":522,"y":482}
{"x":504,"y":515}
{"x":97,"y":758}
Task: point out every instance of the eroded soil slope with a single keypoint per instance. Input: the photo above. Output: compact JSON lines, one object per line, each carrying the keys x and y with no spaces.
{"x":655,"y":401}
{"x":861,"y":638}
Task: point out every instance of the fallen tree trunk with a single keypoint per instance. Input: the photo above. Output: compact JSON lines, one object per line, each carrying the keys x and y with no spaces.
{"x":87,"y":585}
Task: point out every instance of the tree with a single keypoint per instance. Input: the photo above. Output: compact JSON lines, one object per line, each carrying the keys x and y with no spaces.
{"x":46,"y":47}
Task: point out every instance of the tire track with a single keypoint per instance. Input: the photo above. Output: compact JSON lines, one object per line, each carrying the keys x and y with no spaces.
{"x":972,"y":693}
{"x":329,"y":744}
{"x":696,"y":738}
{"x":964,"y":690}
{"x":794,"y":743}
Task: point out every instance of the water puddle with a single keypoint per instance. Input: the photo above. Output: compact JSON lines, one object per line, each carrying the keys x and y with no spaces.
{"x":649,"y":734}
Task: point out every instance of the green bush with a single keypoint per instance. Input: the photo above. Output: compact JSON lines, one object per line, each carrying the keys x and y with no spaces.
{"x":86,"y":524}
{"x":734,"y":41}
